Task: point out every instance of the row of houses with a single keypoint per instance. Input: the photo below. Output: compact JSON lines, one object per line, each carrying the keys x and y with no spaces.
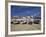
{"x":25,"y":19}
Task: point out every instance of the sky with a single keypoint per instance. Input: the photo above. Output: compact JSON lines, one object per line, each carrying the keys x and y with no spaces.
{"x":25,"y":10}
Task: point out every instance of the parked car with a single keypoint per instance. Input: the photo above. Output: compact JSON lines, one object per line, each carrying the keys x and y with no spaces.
{"x":37,"y":21}
{"x":17,"y":22}
{"x":30,"y":23}
{"x":24,"y":22}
